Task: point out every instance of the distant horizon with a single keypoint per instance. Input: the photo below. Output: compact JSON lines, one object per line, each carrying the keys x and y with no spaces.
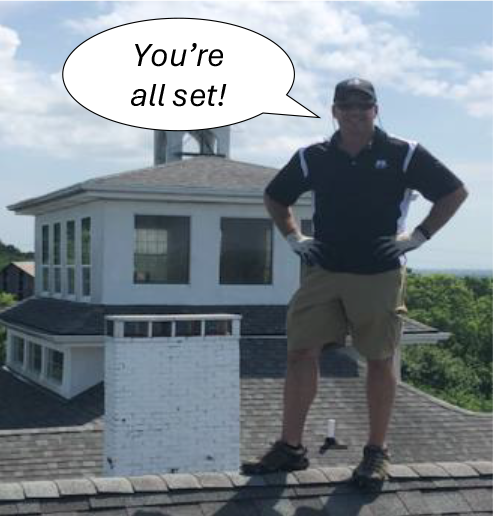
{"x":454,"y":271}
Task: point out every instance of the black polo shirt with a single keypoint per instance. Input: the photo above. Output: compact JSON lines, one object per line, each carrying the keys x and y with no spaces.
{"x":359,"y":199}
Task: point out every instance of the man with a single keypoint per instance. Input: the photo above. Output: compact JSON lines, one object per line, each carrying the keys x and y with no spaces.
{"x":362,"y":182}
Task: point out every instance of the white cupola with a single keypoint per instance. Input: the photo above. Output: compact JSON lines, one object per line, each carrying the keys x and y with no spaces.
{"x":172,"y":146}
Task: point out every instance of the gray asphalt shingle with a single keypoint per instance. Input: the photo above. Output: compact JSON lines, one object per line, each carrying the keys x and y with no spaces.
{"x":64,"y":439}
{"x":202,"y":175}
{"x":195,"y":494}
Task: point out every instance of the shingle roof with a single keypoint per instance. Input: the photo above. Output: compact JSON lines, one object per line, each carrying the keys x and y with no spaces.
{"x":202,"y":174}
{"x":45,"y":437}
{"x":27,"y":267}
{"x":61,"y":317}
{"x":322,"y":491}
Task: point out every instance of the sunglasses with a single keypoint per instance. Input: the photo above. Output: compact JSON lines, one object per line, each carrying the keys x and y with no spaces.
{"x":361,"y":106}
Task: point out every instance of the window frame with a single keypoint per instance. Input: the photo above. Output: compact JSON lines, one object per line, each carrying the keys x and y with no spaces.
{"x":45,"y":259}
{"x":15,"y":346}
{"x":270,"y":256}
{"x":57,"y":259}
{"x":186,"y":278}
{"x":31,"y":346}
{"x":85,"y":268}
{"x":50,"y":353}
{"x":70,"y":262}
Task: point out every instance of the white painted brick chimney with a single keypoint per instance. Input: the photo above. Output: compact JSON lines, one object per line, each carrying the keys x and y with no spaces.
{"x":172,"y":394}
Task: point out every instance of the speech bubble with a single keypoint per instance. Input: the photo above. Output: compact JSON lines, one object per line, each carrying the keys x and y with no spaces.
{"x":181,"y":74}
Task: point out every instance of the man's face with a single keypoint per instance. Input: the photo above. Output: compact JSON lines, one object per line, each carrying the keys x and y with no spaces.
{"x":356,"y":114}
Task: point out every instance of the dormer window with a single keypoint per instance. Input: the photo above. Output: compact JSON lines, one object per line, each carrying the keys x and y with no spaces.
{"x":86,"y":256}
{"x":57,"y":257}
{"x":35,"y":354}
{"x":70,"y":257}
{"x":18,"y":350}
{"x":162,"y":249}
{"x":54,"y":366}
{"x":45,"y":258}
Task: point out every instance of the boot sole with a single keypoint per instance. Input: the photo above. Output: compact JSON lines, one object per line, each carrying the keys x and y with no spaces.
{"x":365,"y":482}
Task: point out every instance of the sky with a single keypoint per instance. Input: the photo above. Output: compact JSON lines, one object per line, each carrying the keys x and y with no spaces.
{"x":431,"y":63}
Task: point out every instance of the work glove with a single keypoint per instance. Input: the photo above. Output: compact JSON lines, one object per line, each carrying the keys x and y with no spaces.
{"x":391,"y":248}
{"x":307,"y":248}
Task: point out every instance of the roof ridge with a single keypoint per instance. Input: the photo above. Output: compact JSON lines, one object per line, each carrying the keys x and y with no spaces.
{"x":171,"y":164}
{"x":445,"y":404}
{"x":428,"y":471}
{"x":462,"y":486}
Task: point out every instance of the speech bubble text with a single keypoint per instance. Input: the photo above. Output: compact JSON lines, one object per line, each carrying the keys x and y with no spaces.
{"x":181,"y":74}
{"x":160,"y":56}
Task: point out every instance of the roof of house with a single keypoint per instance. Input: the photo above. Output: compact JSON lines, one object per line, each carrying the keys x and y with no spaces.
{"x":62,"y":317}
{"x":419,"y":489}
{"x":204,"y":174}
{"x":43,"y":436}
{"x":27,"y":267}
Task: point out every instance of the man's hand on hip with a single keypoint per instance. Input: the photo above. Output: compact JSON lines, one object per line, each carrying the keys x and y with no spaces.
{"x":392,"y":247}
{"x":307,"y":248}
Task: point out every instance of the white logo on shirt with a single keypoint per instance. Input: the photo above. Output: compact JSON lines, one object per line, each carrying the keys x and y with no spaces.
{"x":381,"y":164}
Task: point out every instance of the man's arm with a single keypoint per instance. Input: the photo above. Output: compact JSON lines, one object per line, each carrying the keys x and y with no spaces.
{"x":305,"y":247}
{"x":443,"y":210}
{"x":282,"y":216}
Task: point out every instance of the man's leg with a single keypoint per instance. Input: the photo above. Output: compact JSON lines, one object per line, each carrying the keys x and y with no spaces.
{"x":380,"y":389}
{"x":315,"y":315}
{"x":372,"y":303}
{"x":300,"y":389}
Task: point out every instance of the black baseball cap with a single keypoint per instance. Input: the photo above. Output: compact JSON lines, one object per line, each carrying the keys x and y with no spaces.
{"x":355,"y":85}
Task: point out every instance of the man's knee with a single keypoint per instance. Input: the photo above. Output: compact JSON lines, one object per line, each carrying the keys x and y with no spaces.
{"x":299,"y":355}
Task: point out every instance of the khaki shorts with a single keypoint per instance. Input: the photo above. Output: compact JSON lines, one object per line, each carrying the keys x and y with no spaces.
{"x":329,"y":305}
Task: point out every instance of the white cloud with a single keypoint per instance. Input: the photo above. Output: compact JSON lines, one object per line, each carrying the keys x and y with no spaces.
{"x":477,"y":94}
{"x":9,"y":42}
{"x":484,"y":52}
{"x":37,"y":112}
{"x":339,"y":43}
{"x":395,"y":8}
{"x":326,"y":42}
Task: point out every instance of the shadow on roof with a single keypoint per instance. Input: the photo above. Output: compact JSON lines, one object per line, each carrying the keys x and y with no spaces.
{"x":267,"y":358}
{"x":25,"y":405}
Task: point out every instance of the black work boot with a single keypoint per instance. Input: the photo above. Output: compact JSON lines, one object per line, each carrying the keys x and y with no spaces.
{"x":374,"y":467}
{"x":281,"y":457}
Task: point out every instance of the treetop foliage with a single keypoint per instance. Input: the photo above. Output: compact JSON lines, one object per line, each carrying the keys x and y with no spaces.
{"x":10,"y":253}
{"x":458,"y":370}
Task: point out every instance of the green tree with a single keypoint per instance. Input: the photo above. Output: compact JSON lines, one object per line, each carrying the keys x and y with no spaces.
{"x":10,"y":253}
{"x":460,"y":369}
{"x":437,"y":371}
